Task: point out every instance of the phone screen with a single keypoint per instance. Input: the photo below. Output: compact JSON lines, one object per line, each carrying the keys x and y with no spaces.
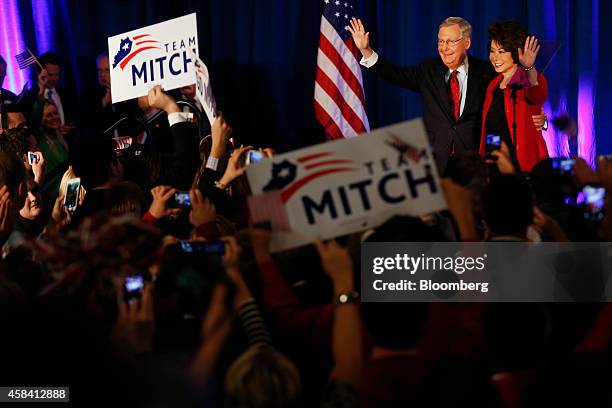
{"x":255,"y":156}
{"x":32,"y":158}
{"x":188,"y":247}
{"x":563,"y":166}
{"x":493,"y":142}
{"x":71,"y":200}
{"x":133,"y":286}
{"x":594,"y":199}
{"x":182,"y":199}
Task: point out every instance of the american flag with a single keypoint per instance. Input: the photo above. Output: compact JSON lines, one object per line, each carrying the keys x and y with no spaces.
{"x":25,"y":59}
{"x":339,"y":99}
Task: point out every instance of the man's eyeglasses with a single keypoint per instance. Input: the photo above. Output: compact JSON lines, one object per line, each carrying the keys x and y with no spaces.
{"x":450,"y":43}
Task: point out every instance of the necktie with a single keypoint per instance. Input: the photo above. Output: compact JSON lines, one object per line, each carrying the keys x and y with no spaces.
{"x":454,"y":95}
{"x":50,"y":95}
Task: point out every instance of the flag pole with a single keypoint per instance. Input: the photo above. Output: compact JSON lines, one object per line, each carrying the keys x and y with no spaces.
{"x":35,"y":59}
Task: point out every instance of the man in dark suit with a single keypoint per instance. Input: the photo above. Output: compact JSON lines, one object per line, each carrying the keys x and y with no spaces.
{"x":453,"y":87}
{"x":98,"y":113}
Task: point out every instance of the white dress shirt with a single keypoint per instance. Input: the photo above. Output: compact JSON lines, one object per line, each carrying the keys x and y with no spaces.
{"x":52,"y":94}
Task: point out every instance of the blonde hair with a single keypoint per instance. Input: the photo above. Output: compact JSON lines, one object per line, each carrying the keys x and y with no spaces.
{"x":263,"y":378}
{"x":464,"y":25}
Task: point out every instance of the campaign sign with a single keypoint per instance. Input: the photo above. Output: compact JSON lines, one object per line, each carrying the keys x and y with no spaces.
{"x":204,"y":90}
{"x":340,"y":187}
{"x":159,"y":54}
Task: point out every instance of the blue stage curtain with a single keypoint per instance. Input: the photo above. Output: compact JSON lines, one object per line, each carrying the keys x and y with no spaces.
{"x":262,"y":54}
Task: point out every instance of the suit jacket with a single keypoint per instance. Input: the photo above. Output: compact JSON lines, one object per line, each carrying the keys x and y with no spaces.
{"x":528,"y":142}
{"x":428,"y":79}
{"x":96,"y":118}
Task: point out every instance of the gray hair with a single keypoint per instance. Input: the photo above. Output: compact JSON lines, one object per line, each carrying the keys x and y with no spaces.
{"x":464,"y":25}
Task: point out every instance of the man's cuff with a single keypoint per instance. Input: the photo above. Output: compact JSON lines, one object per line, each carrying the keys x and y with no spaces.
{"x":371,"y":60}
{"x":178,"y":117}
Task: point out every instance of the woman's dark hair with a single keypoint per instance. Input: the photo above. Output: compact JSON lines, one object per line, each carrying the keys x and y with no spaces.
{"x":12,"y":171}
{"x":14,"y":140}
{"x":511,"y":35}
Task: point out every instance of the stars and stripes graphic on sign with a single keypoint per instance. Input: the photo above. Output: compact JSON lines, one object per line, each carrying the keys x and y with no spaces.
{"x":339,"y":99}
{"x":25,"y":59}
{"x":291,"y":177}
{"x":129,"y":48}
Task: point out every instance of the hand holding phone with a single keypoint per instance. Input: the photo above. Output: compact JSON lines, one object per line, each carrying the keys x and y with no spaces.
{"x":181,"y":200}
{"x":33,"y":158}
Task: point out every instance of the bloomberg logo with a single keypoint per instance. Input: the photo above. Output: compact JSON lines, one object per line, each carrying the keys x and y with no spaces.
{"x":175,"y":62}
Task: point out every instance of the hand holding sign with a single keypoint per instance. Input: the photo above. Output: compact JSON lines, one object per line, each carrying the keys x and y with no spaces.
{"x":221,"y":130}
{"x":157,"y":98}
{"x":337,"y":264}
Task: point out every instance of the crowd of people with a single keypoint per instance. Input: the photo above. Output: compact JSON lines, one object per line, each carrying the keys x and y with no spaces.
{"x":130,"y":297}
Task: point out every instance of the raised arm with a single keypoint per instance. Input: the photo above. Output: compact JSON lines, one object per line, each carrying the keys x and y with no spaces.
{"x":538,"y":91}
{"x":361,"y":37}
{"x":185,"y":158}
{"x":407,"y":77}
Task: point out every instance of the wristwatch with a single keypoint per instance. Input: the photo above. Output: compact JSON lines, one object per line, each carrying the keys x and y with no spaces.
{"x":346,"y":297}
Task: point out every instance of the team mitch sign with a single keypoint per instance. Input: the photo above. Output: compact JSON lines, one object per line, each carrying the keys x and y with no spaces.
{"x":157,"y":54}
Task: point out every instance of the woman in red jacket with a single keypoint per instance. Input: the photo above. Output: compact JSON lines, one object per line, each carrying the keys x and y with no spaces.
{"x":516,"y":94}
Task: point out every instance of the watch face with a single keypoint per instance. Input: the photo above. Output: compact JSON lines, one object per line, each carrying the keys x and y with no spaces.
{"x":343,"y":298}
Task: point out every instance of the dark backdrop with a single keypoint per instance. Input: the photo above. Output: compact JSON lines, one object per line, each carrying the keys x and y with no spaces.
{"x":262,"y":54}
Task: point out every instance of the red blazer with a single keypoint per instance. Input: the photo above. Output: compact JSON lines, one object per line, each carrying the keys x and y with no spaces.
{"x":530,"y":145}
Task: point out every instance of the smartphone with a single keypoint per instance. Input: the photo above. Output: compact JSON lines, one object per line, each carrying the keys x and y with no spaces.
{"x":594,"y":201}
{"x":254,"y":156}
{"x":493,"y":142}
{"x":563,"y":166}
{"x":32,"y":158}
{"x":132,"y":287}
{"x":216,"y":247}
{"x":71,"y":200}
{"x":181,"y":200}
